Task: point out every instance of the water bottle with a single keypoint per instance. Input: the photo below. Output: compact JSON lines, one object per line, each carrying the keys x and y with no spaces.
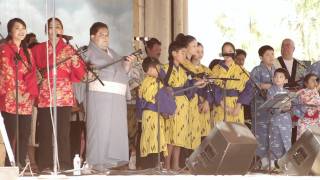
{"x":76,"y":165}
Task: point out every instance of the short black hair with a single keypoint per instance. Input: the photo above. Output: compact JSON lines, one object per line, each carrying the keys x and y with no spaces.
{"x":152,"y":42}
{"x":214,"y":62}
{"x":29,"y":36}
{"x":241,"y":51}
{"x":96,"y":26}
{"x":174,"y":46}
{"x":228,"y":44}
{"x":308,"y":76}
{"x":283,"y":71}
{"x":264,"y":49}
{"x":50,"y":20}
{"x":27,"y":40}
{"x":185,"y":40}
{"x":11,"y":24}
{"x":149,"y":62}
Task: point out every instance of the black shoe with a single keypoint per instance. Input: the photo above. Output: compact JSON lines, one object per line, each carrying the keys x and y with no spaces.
{"x":276,"y":164}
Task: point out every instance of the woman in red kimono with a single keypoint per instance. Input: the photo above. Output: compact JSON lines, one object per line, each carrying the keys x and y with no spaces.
{"x":69,"y":71}
{"x":15,"y":49}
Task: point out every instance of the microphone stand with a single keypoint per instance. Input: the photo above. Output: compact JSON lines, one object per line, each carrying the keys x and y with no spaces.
{"x":17,"y":58}
{"x":16,"y":61}
{"x":259,"y":90}
{"x":278,"y":102}
{"x":159,"y":169}
{"x":158,"y":133}
{"x":224,"y":93}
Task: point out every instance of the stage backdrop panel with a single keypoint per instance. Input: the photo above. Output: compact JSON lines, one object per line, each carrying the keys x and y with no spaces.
{"x":77,"y":17}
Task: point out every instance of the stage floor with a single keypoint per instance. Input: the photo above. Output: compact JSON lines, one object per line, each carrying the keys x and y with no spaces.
{"x":155,"y":175}
{"x":174,"y":177}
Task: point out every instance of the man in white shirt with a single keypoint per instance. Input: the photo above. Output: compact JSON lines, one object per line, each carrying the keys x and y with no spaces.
{"x":288,"y":62}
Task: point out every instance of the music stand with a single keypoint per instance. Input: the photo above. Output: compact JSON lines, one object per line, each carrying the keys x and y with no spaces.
{"x":275,"y":105}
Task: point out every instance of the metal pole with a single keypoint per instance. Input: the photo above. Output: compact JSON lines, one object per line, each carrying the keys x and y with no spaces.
{"x":158,"y":133}
{"x":55,"y":146}
{"x":17,"y":111}
{"x":224,"y":100}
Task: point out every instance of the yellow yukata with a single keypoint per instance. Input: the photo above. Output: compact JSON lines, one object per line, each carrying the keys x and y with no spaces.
{"x":205,"y":123}
{"x":234,"y":71}
{"x":177,"y":127}
{"x":195,"y":117}
{"x":149,"y":135}
{"x":205,"y":120}
{"x":194,"y":123}
{"x":196,"y":69}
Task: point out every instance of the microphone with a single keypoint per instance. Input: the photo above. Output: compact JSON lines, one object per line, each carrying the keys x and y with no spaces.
{"x":144,"y":39}
{"x":227,"y":54}
{"x":66,"y":37}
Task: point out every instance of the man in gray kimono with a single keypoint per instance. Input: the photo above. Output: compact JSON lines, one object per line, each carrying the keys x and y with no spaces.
{"x":106,"y":108}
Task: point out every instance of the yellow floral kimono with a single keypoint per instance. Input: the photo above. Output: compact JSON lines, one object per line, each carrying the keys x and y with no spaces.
{"x":198,"y":121}
{"x":177,"y":127}
{"x":149,"y":140}
{"x":234,"y":71}
{"x":205,"y":120}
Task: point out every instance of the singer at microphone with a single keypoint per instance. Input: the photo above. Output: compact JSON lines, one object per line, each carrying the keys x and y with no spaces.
{"x":66,"y":37}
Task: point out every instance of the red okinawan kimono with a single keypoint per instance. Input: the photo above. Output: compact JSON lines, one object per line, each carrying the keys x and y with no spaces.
{"x":27,"y":80}
{"x":311,"y":115}
{"x":72,"y":70}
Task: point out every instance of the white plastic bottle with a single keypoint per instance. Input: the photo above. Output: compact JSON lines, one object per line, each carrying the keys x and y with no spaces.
{"x":76,"y":165}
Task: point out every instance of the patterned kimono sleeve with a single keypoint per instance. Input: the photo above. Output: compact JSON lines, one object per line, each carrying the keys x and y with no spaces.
{"x":2,"y":72}
{"x":31,"y":78}
{"x":191,"y":67}
{"x":270,"y":93}
{"x":217,"y":98}
{"x":314,"y":68}
{"x":255,"y":75}
{"x":309,"y":97}
{"x":149,"y":89}
{"x":301,"y":71}
{"x":207,"y":70}
{"x":246,"y":87}
{"x":77,"y":66}
{"x":304,"y":97}
{"x":247,"y":94}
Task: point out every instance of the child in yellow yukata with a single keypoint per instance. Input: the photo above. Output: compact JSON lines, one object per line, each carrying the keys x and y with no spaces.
{"x":205,"y":95}
{"x":237,"y":92}
{"x":177,"y":128}
{"x":151,"y":114}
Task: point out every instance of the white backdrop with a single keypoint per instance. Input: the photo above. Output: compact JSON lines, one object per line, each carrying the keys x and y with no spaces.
{"x":77,"y":17}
